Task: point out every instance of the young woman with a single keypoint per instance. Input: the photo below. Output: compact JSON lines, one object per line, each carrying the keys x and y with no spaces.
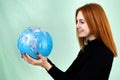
{"x":97,"y":48}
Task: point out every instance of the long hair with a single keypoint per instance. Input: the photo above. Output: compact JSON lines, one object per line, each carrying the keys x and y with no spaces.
{"x":98,"y":24}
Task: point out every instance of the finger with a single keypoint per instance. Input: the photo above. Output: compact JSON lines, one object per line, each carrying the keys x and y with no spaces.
{"x":30,"y":58}
{"x":22,"y":54}
{"x":27,"y":59}
{"x":24,"y":57}
{"x":40,"y":56}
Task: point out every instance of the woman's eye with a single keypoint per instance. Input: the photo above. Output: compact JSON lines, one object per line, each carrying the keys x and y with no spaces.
{"x":82,"y":22}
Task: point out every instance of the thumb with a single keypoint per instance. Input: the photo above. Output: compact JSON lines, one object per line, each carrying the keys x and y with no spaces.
{"x":40,"y":56}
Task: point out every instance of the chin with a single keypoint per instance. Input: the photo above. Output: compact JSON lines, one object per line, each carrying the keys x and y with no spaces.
{"x":81,"y":36}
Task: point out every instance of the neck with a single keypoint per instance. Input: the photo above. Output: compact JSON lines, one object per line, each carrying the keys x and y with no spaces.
{"x":90,"y":38}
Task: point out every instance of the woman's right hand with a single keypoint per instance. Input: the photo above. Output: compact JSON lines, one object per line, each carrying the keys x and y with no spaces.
{"x":41,"y":62}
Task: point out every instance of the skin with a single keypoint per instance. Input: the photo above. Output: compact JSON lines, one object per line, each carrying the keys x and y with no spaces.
{"x":82,"y":27}
{"x":83,"y":31}
{"x":41,"y":62}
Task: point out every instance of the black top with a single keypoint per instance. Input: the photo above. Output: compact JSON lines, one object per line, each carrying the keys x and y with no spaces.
{"x":94,"y":63}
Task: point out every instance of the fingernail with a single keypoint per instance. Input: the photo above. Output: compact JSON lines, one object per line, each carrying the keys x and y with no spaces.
{"x":21,"y":56}
{"x":24,"y":54}
{"x":37,"y":53}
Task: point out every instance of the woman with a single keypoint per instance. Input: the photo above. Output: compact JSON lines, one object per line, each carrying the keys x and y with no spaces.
{"x":98,"y":49}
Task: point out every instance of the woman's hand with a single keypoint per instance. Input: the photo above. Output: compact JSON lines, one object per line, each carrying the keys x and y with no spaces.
{"x":41,"y":62}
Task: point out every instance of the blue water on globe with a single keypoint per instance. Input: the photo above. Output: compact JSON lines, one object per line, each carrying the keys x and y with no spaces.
{"x":34,"y":40}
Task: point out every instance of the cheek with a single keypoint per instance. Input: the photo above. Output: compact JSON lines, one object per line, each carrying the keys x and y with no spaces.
{"x":86,"y":32}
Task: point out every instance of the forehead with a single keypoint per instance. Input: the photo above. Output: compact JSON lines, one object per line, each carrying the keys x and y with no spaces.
{"x":80,"y":15}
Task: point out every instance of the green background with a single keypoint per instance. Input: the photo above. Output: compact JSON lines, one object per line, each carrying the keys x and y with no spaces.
{"x":56,"y":17}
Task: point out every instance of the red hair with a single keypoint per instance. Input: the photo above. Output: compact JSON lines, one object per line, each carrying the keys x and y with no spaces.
{"x":98,"y":24}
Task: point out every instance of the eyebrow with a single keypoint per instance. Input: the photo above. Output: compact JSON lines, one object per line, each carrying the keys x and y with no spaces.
{"x":81,"y":19}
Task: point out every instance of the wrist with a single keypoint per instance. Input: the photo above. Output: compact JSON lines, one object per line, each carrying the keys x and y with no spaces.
{"x":47,"y":66}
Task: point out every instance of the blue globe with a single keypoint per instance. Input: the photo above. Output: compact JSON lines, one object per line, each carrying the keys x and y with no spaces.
{"x":34,"y":40}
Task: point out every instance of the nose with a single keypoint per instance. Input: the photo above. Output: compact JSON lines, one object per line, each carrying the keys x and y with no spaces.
{"x":78,"y":25}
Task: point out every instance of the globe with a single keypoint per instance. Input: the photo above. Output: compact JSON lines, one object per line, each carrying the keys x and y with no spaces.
{"x":35,"y":40}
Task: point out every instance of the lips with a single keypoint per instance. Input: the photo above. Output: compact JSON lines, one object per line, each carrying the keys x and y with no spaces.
{"x":79,"y":31}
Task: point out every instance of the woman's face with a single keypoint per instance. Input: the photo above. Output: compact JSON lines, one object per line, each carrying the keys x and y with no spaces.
{"x":82,"y":27}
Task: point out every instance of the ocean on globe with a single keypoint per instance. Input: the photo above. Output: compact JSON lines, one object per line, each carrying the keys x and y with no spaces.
{"x":35,"y":40}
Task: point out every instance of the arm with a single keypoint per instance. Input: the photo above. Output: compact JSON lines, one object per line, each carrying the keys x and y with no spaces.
{"x":48,"y":65}
{"x":88,"y":68}
{"x":92,"y":66}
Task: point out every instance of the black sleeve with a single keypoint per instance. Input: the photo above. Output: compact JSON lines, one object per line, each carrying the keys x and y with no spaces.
{"x":91,"y":69}
{"x":56,"y":73}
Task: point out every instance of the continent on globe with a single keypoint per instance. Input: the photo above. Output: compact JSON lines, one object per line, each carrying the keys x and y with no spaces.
{"x":35,"y":40}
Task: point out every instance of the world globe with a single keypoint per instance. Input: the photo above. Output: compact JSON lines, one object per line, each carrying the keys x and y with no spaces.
{"x":35,"y":40}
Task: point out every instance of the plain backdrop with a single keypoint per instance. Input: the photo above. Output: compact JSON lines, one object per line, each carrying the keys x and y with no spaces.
{"x":56,"y":17}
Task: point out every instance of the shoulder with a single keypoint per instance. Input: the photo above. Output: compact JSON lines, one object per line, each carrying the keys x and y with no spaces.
{"x":102,"y":51}
{"x":98,"y":49}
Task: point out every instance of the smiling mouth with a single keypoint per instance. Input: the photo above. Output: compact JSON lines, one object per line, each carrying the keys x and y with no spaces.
{"x":79,"y":31}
